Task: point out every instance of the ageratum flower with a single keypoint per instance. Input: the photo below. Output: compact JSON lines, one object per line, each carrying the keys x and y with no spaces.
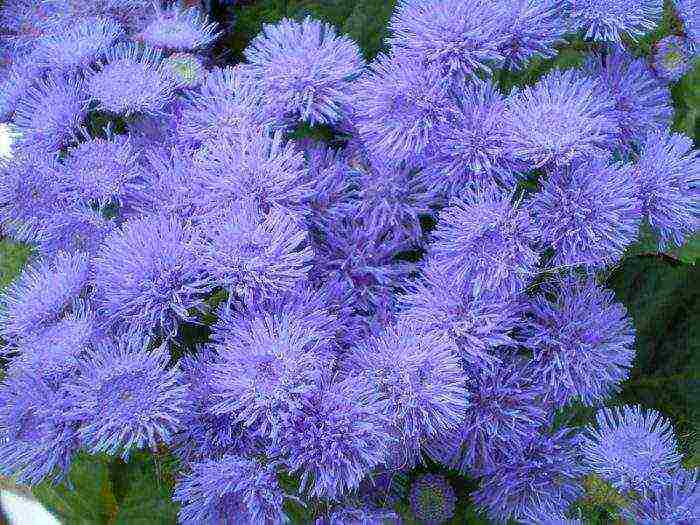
{"x":672,"y":58}
{"x":42,"y":294}
{"x":677,"y":501}
{"x":126,"y":398}
{"x":504,"y":411}
{"x":177,"y":29}
{"x":610,"y":20}
{"x":305,"y":69}
{"x":418,"y":376}
{"x":232,"y":489}
{"x":485,"y":242}
{"x":384,"y":487}
{"x":532,"y":28}
{"x":432,"y":499}
{"x":50,"y":112}
{"x":73,"y":228}
{"x":148,"y":276}
{"x":633,"y":449}
{"x":582,"y":341}
{"x":397,"y":105}
{"x":358,"y":515}
{"x":37,"y":440}
{"x":77,"y":46}
{"x":459,"y":39}
{"x":548,"y":517}
{"x":187,"y":69}
{"x":333,"y":438}
{"x":26,"y":20}
{"x":588,"y":213}
{"x":471,"y":145}
{"x":641,"y":101}
{"x":131,"y":79}
{"x":479,"y":323}
{"x":543,"y":473}
{"x":668,"y":172}
{"x":564,"y":117}
{"x":251,"y":254}
{"x":689,"y":14}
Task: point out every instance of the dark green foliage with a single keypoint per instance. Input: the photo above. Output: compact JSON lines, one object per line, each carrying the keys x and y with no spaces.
{"x":12,"y":257}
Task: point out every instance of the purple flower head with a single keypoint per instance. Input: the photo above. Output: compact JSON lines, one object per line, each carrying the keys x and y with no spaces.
{"x":271,"y":353}
{"x":669,"y":176}
{"x":610,"y":20}
{"x":79,"y":45}
{"x":470,"y":145}
{"x":632,"y":448}
{"x":418,"y":376}
{"x":672,"y":58}
{"x":100,"y":170}
{"x":677,"y":501}
{"x":251,"y":254}
{"x":588,"y":213}
{"x":545,"y":472}
{"x":641,"y":101}
{"x":544,"y":516}
{"x":16,"y":79}
{"x":459,"y":39}
{"x":478,"y":323}
{"x":130,"y":80}
{"x":305,"y":69}
{"x":689,"y":13}
{"x":484,"y":241}
{"x":359,"y":515}
{"x":26,"y":20}
{"x":582,"y":341}
{"x":37,"y":440}
{"x":564,"y":117}
{"x":504,"y":411}
{"x":231,"y":489}
{"x":397,"y":105}
{"x":333,"y":438}
{"x":179,"y":29}
{"x":531,"y":28}
{"x":126,"y":398}
{"x":43,"y":293}
{"x":384,"y":487}
{"x":228,"y":101}
{"x":432,"y":499}
{"x":187,"y":69}
{"x":262,"y":169}
{"x":50,"y":112}
{"x":148,"y":276}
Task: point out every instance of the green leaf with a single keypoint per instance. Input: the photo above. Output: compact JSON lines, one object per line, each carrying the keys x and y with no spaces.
{"x":13,"y":256}
{"x":367,"y":25}
{"x":689,"y":253}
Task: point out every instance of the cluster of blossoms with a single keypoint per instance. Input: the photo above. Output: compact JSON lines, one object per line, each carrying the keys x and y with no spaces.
{"x":161,"y":191}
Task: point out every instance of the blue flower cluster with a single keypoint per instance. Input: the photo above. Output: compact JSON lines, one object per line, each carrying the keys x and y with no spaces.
{"x":425,"y":287}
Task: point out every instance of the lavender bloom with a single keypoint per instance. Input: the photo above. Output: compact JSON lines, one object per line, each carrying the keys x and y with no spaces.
{"x":633,"y":449}
{"x":689,"y":14}
{"x":72,"y":228}
{"x":398,"y":103}
{"x":42,"y":294}
{"x":125,"y":398}
{"x":79,"y":45}
{"x":148,"y":276}
{"x":484,"y":241}
{"x":531,"y":28}
{"x":478,"y":323}
{"x":543,"y":516}
{"x":305,"y":69}
{"x":460,"y":39}
{"x":49,"y":113}
{"x":26,"y":20}
{"x":230,"y":490}
{"x":333,"y":438}
{"x":669,"y":179}
{"x":187,"y":70}
{"x":179,"y":29}
{"x":544,"y":472}
{"x":676,"y":502}
{"x":641,"y":102}
{"x":672,"y":58}
{"x":471,"y":144}
{"x":609,"y":20}
{"x":255,"y":255}
{"x":419,"y":378}
{"x":432,"y":499}
{"x":37,"y":441}
{"x":588,"y":213}
{"x":384,"y":487}
{"x":357,"y":515}
{"x":504,"y":411}
{"x":582,"y":341}
{"x":131,"y":80}
{"x":562,"y":118}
